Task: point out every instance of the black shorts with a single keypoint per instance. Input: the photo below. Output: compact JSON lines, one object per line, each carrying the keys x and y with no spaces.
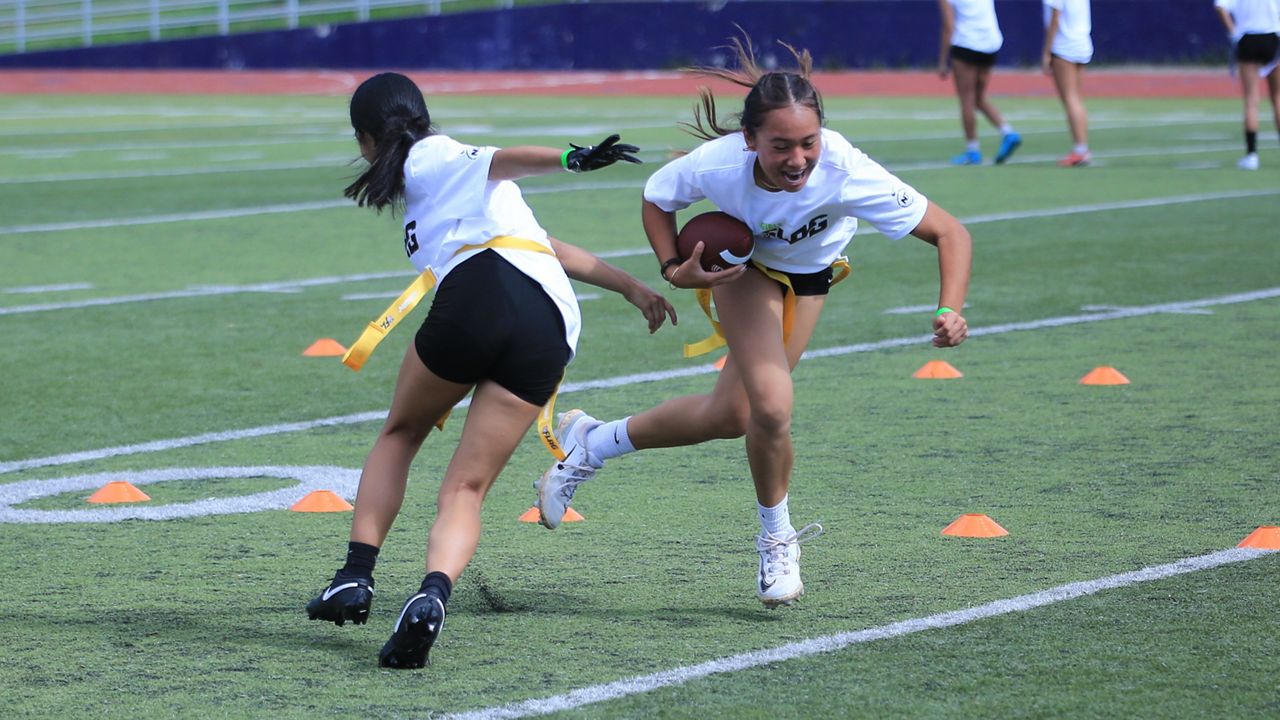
{"x":490,"y":321}
{"x":818,"y":283}
{"x":1259,"y":49}
{"x":973,"y":57}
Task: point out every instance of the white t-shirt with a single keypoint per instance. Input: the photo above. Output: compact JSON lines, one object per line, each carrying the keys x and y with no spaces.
{"x":976,"y":27}
{"x":800,"y":232}
{"x":450,"y":202}
{"x":1252,"y":17}
{"x":1072,"y":41}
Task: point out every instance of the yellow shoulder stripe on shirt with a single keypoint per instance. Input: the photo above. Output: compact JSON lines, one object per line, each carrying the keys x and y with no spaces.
{"x":379,"y":327}
{"x":716,"y":338}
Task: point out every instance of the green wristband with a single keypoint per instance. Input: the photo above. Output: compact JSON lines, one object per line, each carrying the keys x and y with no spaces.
{"x":943,"y":309}
{"x":564,"y":160}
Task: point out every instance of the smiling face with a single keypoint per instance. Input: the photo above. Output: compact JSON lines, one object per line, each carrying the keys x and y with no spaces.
{"x":787,"y":145}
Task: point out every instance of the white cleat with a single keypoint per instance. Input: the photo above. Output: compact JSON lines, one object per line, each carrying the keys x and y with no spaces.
{"x":561,"y":480}
{"x":778,"y":581}
{"x":1248,"y":162}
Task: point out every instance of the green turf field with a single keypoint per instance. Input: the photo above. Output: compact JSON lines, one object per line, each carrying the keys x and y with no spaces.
{"x":164,"y":261}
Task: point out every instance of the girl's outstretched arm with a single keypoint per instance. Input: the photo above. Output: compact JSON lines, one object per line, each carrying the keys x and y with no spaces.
{"x":582,"y":265}
{"x":522,"y":161}
{"x":955,"y":259}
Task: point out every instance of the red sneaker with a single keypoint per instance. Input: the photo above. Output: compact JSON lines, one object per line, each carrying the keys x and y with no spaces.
{"x":1075,"y":160}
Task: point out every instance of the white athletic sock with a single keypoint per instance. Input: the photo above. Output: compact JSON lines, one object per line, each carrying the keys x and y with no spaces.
{"x":1081,"y":149}
{"x":610,"y":440}
{"x":776,"y":520}
{"x":1005,"y":129}
{"x":973,"y":146}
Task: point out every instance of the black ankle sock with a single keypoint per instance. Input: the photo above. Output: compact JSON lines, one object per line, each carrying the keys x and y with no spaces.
{"x":1250,"y":142}
{"x":360,"y":559}
{"x":440,"y":583}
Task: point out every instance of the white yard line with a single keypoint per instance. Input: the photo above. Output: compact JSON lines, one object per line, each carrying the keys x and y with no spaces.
{"x":624,"y":380}
{"x":290,"y":286}
{"x":293,"y":285}
{"x":832,"y":643}
{"x":224,"y":214}
{"x":37,"y":289}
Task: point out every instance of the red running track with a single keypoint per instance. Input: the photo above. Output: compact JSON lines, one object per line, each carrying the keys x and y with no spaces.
{"x":1097,"y":83}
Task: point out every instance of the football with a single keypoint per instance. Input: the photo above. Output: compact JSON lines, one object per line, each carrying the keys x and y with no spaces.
{"x":726,"y":241}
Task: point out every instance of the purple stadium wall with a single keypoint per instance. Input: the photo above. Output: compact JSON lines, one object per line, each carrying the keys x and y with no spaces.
{"x":655,"y":35}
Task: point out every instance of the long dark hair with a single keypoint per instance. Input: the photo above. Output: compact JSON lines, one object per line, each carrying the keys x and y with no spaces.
{"x":770,"y":90}
{"x":389,"y":109}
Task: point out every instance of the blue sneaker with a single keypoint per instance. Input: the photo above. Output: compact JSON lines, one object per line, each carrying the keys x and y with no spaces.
{"x":968,"y":157}
{"x":1008,"y":144}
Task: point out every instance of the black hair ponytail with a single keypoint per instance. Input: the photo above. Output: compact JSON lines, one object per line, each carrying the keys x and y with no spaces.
{"x":390,"y":111}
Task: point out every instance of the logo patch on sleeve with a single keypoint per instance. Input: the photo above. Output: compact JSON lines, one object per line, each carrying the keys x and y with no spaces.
{"x":904,"y":197}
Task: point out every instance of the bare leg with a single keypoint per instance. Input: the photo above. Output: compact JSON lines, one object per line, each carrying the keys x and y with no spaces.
{"x":966,"y":81}
{"x":1066,"y":78}
{"x":753,"y":395}
{"x":983,"y":80}
{"x":1249,"y":91}
{"x":420,"y":399}
{"x":1273,"y":85}
{"x":496,"y":422}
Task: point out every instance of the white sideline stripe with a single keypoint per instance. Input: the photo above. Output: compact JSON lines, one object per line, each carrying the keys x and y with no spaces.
{"x":290,"y":286}
{"x":624,"y":380}
{"x":840,"y":641}
{"x":34,"y":289}
{"x":174,"y":172}
{"x":294,"y":285}
{"x":263,"y":210}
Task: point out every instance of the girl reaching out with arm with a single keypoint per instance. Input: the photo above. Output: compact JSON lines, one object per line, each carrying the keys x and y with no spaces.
{"x":502,"y":326}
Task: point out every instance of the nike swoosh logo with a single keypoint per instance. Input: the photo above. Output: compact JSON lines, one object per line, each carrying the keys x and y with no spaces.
{"x":764,"y":585}
{"x":617,"y":440}
{"x":335,"y":590}
{"x":736,"y":259}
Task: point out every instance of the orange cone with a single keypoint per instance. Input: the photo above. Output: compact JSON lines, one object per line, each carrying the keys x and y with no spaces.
{"x":532,"y":515}
{"x":719,"y":364}
{"x":974,"y":525}
{"x":118,"y":491}
{"x":325,"y":347}
{"x":321,"y":501}
{"x":1266,"y":537}
{"x":937,"y":370}
{"x":1104,"y":375}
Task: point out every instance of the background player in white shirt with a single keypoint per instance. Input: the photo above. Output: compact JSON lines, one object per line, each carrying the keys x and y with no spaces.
{"x":969,"y":41}
{"x":504,"y":323}
{"x":1068,"y":47}
{"x":801,"y":189}
{"x":1253,"y":26}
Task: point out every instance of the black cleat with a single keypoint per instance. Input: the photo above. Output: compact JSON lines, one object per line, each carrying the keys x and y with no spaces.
{"x":416,"y":631}
{"x":348,"y":597}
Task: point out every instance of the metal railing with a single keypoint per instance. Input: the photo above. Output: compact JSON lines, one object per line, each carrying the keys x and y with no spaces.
{"x":37,"y":24}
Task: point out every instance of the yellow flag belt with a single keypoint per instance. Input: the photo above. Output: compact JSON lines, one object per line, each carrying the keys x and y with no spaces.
{"x":716,"y":338}
{"x":379,"y":327}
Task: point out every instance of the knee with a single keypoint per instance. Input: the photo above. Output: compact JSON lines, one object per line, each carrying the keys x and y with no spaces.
{"x":772,"y":417}
{"x":400,"y":431}
{"x":455,"y":489}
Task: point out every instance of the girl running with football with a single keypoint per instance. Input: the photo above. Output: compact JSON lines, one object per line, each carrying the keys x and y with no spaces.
{"x":504,"y":323}
{"x":801,"y":189}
